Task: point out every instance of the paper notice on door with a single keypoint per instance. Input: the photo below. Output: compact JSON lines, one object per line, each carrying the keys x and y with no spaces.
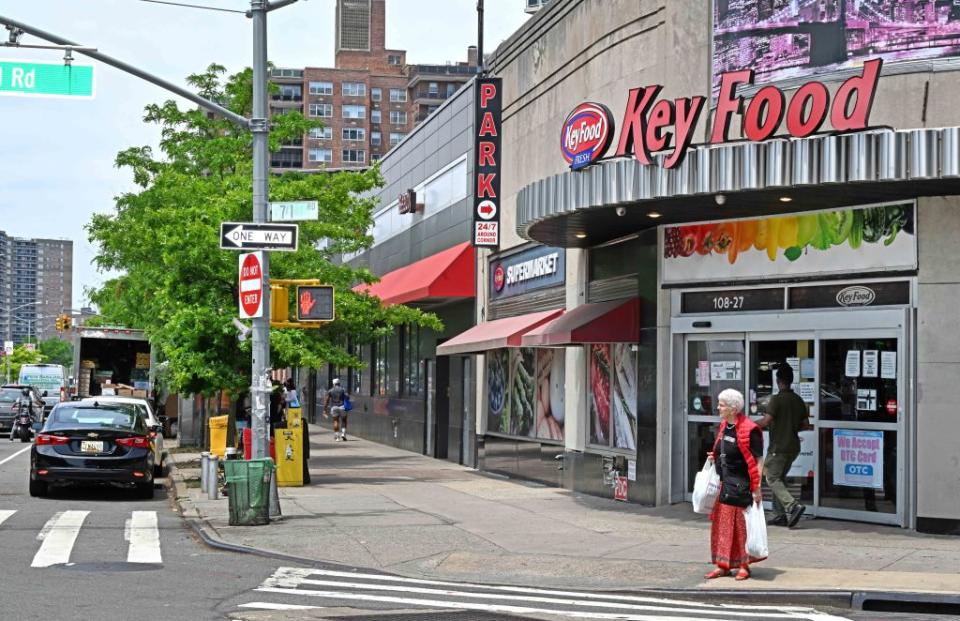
{"x":726,"y":371}
{"x":632,"y":469}
{"x":870,"y":359}
{"x":807,"y":391}
{"x":888,"y":365}
{"x":703,"y":374}
{"x":795,"y":365}
{"x":852,"y":368}
{"x":807,"y":368}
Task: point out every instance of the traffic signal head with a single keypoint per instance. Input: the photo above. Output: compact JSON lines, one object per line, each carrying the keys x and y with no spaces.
{"x":59,"y":323}
{"x":315,"y":303}
{"x":67,"y":322}
{"x":279,"y":303}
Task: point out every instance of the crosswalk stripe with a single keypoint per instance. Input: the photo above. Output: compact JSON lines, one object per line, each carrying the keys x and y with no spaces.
{"x":144,"y":538}
{"x":58,"y":536}
{"x":5,"y":513}
{"x":270,"y":606}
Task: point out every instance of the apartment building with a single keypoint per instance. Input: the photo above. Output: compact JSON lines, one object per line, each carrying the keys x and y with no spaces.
{"x":36,"y":284}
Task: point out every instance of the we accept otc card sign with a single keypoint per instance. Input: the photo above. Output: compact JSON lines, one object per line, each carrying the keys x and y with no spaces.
{"x":858,"y":458}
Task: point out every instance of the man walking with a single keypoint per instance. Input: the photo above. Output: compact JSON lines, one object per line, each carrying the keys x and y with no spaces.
{"x":334,"y":400}
{"x":786,"y":416}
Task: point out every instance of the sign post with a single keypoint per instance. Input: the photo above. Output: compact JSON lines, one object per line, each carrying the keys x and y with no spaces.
{"x":22,"y":79}
{"x":251,"y":285}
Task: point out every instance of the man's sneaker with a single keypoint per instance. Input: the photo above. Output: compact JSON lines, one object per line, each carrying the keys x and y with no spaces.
{"x":336,"y":438}
{"x":343,"y":437}
{"x":795,"y":512}
{"x":779,"y":520}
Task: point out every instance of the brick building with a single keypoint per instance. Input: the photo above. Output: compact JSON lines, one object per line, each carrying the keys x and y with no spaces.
{"x":369,"y":101}
{"x":36,"y":285}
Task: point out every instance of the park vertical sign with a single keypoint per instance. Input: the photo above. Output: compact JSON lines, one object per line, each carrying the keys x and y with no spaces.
{"x":488,"y":104}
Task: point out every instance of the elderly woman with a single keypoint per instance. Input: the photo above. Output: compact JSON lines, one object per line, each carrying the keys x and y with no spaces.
{"x":737,"y":451}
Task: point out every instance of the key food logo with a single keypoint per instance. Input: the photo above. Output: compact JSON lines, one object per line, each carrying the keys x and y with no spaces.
{"x":856,"y":296}
{"x":586,"y":134}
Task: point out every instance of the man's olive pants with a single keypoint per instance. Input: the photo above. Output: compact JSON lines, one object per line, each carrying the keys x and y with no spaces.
{"x":775,"y":469}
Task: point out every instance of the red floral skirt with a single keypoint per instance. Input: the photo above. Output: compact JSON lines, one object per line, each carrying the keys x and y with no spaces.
{"x":728,"y":538}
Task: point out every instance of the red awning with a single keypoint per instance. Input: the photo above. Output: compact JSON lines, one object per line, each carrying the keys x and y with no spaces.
{"x":447,"y":274}
{"x":617,"y":321}
{"x":495,"y":334}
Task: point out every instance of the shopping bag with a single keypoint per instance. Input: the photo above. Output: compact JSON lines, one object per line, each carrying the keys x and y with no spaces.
{"x":756,"y":530}
{"x":347,"y":404}
{"x":706,"y":488}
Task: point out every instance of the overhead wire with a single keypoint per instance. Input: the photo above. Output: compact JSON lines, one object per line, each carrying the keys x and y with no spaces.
{"x":195,"y":6}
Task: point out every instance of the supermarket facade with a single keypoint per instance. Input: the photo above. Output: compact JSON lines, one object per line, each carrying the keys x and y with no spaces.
{"x":688,"y":199}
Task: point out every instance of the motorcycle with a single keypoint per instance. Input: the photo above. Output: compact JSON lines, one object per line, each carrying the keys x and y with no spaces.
{"x":23,"y":422}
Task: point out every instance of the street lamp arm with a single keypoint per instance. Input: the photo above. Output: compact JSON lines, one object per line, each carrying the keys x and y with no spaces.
{"x":122,"y":66}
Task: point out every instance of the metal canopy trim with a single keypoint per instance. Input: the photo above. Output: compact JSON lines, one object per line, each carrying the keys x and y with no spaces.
{"x":495,"y":334}
{"x":578,"y":209}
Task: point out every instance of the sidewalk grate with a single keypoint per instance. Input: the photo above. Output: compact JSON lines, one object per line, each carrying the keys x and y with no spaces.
{"x":915,"y":603}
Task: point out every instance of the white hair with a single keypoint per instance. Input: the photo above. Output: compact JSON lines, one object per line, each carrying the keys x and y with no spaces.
{"x":732,"y":398}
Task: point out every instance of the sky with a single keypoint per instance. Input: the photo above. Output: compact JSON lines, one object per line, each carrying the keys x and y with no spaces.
{"x":57,"y":155}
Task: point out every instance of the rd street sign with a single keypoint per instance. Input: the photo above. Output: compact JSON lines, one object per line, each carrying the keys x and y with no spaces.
{"x":294,"y":210}
{"x":45,"y":79}
{"x":251,"y":236}
{"x":251,"y":285}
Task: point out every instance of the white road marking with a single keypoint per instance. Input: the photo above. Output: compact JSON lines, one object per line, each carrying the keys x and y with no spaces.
{"x":23,"y":450}
{"x":5,"y":514}
{"x":58,"y":536}
{"x":144,"y":537}
{"x":269,"y":606}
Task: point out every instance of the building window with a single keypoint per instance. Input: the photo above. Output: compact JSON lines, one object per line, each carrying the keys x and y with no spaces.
{"x":433,"y":89}
{"x":398,"y":117}
{"x":396,"y":137}
{"x":287,"y":73}
{"x":354,"y":133}
{"x":411,"y":360}
{"x":320,"y":155}
{"x":321,"y":133}
{"x":321,"y":88}
{"x":376,"y":94}
{"x":451,"y":89}
{"x":288,"y":92}
{"x":354,"y":156}
{"x":321,"y":110}
{"x":375,"y":139}
{"x":381,"y":354}
{"x":375,"y":117}
{"x":393,"y":59}
{"x":353,"y":111}
{"x":398,"y":94}
{"x":375,"y":157}
{"x":354,"y":89}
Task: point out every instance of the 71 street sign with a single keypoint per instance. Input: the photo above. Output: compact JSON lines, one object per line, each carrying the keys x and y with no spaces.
{"x":254,"y":236}
{"x":294,"y":210}
{"x":45,"y":80}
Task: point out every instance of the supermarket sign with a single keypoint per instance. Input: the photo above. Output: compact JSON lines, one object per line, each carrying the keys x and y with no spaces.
{"x":652,"y":125}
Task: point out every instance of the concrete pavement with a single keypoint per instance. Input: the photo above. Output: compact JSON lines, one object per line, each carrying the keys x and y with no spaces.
{"x":377,"y":507}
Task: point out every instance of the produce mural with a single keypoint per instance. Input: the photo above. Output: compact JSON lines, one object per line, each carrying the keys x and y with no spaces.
{"x":613,"y":395}
{"x":498,"y":366}
{"x":525,"y":392}
{"x":550,"y":394}
{"x":828,"y":241}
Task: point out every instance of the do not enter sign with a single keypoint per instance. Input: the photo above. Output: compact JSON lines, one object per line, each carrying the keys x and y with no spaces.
{"x":251,"y":285}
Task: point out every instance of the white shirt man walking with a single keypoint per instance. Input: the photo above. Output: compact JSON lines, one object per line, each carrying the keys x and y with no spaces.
{"x":334,"y":400}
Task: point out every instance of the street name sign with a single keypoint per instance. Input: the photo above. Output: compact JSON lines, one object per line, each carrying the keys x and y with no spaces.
{"x":255,"y":236}
{"x":251,"y":285}
{"x":23,"y":79}
{"x":292,"y":211}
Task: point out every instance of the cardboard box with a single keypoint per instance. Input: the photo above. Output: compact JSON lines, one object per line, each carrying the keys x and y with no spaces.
{"x":139,"y":394}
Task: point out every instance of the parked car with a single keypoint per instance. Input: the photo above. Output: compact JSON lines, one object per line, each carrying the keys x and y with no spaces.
{"x":9,"y":394}
{"x":93,"y":443}
{"x":49,"y":379}
{"x":154,"y":423}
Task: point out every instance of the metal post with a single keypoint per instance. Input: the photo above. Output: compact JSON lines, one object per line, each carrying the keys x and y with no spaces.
{"x":213,"y":491}
{"x":480,"y":36}
{"x":204,"y":473}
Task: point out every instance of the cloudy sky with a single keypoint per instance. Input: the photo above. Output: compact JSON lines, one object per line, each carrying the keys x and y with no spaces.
{"x":56,"y":155}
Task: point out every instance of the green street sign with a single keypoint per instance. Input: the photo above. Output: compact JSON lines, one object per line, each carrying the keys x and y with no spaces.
{"x":294,"y":210}
{"x":45,"y":79}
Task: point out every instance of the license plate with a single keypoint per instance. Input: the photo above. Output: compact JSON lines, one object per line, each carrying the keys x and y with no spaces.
{"x":91,"y":446}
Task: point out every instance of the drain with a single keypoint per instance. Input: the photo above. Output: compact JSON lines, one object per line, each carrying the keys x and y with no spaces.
{"x":915,"y":603}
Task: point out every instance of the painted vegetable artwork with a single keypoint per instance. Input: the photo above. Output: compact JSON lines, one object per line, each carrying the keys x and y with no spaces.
{"x":625,"y":397}
{"x":600,"y":393}
{"x":522,"y":389}
{"x":791,"y":235}
{"x":497,"y":380}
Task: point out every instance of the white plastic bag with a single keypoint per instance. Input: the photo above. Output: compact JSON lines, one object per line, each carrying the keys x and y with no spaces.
{"x":756,"y":530}
{"x":706,"y":488}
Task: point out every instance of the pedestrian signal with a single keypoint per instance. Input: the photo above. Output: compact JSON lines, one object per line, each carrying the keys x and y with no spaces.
{"x":315,"y":303}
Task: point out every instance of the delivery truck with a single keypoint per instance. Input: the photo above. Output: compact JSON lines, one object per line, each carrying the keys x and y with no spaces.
{"x":111,"y":361}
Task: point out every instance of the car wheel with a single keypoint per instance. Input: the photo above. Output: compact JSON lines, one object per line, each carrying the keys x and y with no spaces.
{"x":24,"y":434}
{"x":38,"y":489}
{"x":145,"y":490}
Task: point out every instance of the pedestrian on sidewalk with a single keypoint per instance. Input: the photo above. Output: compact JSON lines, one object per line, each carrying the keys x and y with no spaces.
{"x":786,"y":416}
{"x":334,"y":400}
{"x":737,"y":449}
{"x":291,"y":397}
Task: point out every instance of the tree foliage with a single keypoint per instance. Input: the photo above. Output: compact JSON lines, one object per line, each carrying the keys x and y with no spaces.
{"x":56,"y":351}
{"x":179,"y":286}
{"x":20,"y":356}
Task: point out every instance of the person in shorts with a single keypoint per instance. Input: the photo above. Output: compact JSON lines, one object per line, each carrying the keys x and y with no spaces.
{"x":334,"y":401}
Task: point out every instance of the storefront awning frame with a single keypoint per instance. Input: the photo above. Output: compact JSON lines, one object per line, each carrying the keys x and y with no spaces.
{"x":615,"y":321}
{"x":506,"y":332}
{"x":783,"y":175}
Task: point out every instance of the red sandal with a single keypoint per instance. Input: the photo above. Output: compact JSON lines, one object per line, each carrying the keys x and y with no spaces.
{"x":717,"y":573}
{"x":743,"y":574}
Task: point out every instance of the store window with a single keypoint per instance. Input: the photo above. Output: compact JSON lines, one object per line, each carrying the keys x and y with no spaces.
{"x":411,"y":361}
{"x":525,"y":392}
{"x":612,"y":375}
{"x":381,"y":356}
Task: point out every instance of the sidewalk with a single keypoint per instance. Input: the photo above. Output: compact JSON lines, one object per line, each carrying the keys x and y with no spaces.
{"x":377,"y":507}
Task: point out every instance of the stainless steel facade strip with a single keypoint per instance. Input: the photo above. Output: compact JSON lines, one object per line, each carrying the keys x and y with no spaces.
{"x":878,"y":155}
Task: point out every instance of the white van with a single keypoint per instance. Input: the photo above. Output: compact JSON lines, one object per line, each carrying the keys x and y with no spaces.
{"x":51,"y":378}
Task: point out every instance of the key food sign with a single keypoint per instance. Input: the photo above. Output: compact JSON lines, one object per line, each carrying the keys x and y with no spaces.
{"x":488,"y":103}
{"x":651,"y":125}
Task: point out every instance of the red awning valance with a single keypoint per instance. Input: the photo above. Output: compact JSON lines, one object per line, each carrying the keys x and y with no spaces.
{"x":447,"y":274}
{"x":617,"y":321}
{"x":495,"y":334}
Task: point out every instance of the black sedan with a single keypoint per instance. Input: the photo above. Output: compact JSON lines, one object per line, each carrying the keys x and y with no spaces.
{"x":92,"y":443}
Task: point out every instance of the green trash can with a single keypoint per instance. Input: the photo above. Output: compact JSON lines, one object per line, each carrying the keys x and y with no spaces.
{"x":248,"y":491}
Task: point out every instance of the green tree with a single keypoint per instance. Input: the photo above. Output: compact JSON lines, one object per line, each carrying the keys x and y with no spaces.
{"x":178,"y":285}
{"x":17,"y":359}
{"x":57,"y":351}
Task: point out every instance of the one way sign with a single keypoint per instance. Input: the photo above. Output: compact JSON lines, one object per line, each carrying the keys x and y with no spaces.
{"x":253,"y":236}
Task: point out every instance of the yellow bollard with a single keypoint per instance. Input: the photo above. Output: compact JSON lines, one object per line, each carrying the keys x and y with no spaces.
{"x":289,"y":445}
{"x":218,"y":435}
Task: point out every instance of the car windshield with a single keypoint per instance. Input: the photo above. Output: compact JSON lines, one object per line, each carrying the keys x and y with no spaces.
{"x":91,"y":417}
{"x":9,"y":395}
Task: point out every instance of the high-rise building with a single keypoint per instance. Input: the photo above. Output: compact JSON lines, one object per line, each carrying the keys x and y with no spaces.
{"x":368,"y":101}
{"x":36,"y":285}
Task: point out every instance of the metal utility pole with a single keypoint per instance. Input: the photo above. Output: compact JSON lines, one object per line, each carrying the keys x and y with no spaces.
{"x":480,"y":36}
